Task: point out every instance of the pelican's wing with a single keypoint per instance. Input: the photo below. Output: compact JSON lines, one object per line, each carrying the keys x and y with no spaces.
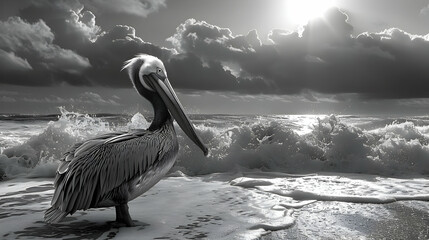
{"x":82,"y":147}
{"x":90,"y":170}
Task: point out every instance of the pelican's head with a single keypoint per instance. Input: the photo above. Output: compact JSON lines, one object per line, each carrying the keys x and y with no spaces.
{"x":150,"y":73}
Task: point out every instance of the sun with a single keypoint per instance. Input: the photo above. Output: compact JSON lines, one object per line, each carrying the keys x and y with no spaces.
{"x":301,"y":11}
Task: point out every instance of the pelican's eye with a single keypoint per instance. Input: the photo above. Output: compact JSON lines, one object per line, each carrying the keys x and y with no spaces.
{"x":160,"y":73}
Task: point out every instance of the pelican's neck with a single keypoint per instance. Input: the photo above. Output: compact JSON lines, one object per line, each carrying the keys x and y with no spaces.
{"x":161,"y":114}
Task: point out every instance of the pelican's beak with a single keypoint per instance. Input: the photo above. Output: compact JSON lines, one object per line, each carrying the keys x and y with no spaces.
{"x":164,"y":89}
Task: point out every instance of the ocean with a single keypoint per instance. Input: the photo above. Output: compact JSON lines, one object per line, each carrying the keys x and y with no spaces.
{"x":266,"y":176}
{"x":282,"y":143}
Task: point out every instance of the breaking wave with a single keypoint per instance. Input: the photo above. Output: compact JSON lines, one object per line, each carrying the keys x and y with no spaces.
{"x":39,"y":155}
{"x":269,"y":143}
{"x":331,"y":145}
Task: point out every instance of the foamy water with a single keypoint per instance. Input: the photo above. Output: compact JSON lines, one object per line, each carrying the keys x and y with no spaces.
{"x":282,"y":143}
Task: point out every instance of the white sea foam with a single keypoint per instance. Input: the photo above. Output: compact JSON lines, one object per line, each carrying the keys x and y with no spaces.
{"x":292,"y":144}
{"x":301,"y":191}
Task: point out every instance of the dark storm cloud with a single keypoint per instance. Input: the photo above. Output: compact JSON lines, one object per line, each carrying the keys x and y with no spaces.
{"x":71,"y":24}
{"x":87,"y":56}
{"x":107,"y":50}
{"x":53,"y":42}
{"x":35,"y":40}
{"x":187,"y":71}
{"x":30,"y":46}
{"x":112,"y":49}
{"x":324,"y":57}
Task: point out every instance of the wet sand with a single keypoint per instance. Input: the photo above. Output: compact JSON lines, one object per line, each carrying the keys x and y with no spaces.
{"x":339,"y":220}
{"x":209,"y":210}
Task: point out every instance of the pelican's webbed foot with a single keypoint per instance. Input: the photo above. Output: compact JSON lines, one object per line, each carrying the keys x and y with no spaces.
{"x":123,"y":216}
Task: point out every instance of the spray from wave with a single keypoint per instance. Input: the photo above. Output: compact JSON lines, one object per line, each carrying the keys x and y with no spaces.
{"x":282,"y":144}
{"x":39,"y":155}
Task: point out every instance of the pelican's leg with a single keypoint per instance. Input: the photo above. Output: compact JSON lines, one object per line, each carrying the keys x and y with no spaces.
{"x":123,"y":216}
{"x":119,"y":217}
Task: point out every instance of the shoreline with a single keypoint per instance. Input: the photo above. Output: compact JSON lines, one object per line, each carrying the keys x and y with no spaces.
{"x":398,"y":220}
{"x":211,"y":207}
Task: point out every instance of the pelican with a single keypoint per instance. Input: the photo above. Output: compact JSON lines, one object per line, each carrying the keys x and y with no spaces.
{"x":115,"y":168}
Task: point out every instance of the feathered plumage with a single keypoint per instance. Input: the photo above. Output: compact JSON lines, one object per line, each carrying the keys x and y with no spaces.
{"x":113,"y":169}
{"x":105,"y":170}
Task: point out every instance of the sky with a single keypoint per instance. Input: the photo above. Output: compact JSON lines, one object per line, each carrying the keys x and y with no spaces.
{"x":234,"y":57}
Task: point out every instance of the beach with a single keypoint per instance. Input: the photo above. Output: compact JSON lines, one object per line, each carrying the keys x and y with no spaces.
{"x":214,"y":207}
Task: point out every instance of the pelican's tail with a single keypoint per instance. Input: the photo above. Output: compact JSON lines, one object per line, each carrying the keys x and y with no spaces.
{"x":54,"y":215}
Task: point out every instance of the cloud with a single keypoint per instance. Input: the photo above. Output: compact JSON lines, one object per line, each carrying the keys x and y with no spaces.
{"x":10,"y":62}
{"x":67,"y":46}
{"x":331,"y":29}
{"x":83,"y":22}
{"x":309,"y":97}
{"x":323,"y":57}
{"x":93,"y":56}
{"x":187,"y":71}
{"x":212,"y":42}
{"x":70,"y":23}
{"x":140,"y":8}
{"x":95,"y":98}
{"x":84,"y":98}
{"x":425,"y":11}
{"x":7,"y":99}
{"x":35,"y":43}
{"x":111,"y":50}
